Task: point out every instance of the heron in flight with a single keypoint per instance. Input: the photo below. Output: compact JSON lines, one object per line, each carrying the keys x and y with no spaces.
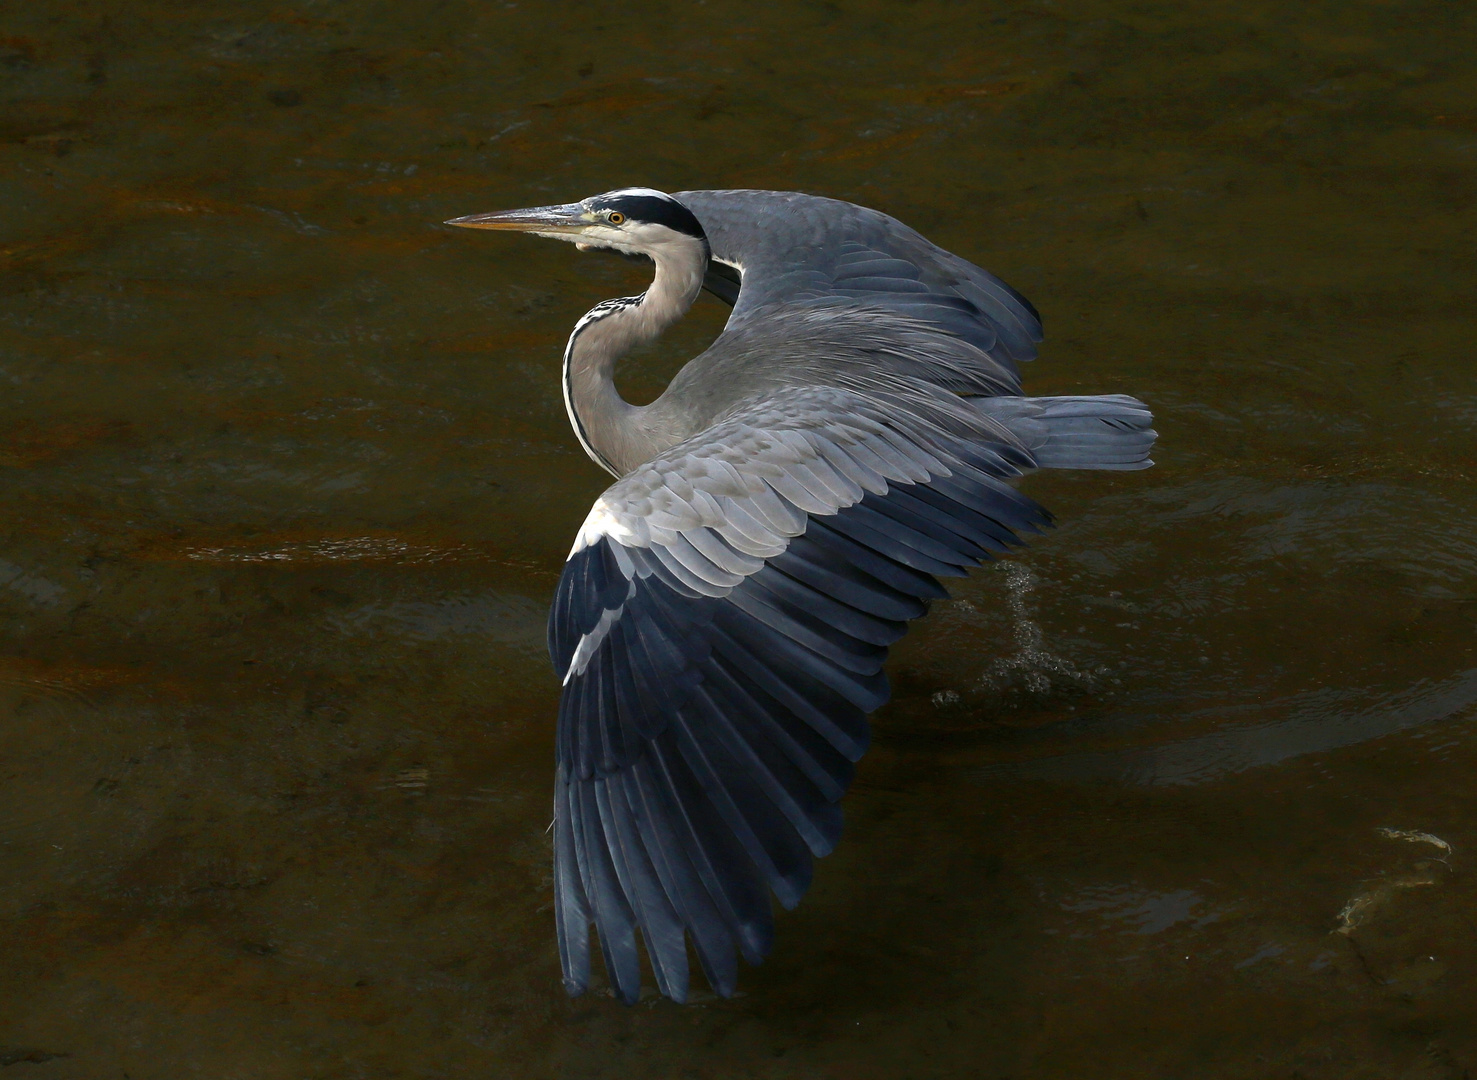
{"x":779,"y":514}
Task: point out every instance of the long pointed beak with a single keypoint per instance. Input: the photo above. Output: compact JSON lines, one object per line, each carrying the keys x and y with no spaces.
{"x":565,"y":220}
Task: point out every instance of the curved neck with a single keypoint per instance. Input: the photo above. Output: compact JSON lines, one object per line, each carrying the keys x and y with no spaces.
{"x":608,"y":427}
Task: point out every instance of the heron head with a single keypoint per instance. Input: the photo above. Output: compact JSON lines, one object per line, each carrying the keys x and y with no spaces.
{"x":633,"y":221}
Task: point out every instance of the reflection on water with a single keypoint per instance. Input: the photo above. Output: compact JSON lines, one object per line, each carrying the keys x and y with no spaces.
{"x":287,"y":481}
{"x":1142,"y":912}
{"x":1315,"y":722}
{"x":353,"y":548}
{"x":511,"y":620}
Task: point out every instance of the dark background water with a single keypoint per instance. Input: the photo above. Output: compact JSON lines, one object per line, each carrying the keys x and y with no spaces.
{"x":285,"y":484}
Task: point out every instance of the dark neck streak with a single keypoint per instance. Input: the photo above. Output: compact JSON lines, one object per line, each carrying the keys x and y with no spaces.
{"x":610,"y":429}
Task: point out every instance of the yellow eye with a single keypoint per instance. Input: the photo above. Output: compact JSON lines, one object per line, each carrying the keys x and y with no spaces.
{"x":616,"y":218}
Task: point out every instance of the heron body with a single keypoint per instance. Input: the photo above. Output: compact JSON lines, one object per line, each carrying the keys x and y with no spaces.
{"x":780,"y":513}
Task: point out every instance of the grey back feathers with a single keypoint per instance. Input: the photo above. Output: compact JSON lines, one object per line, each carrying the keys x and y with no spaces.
{"x":780,"y":513}
{"x":822,"y":252}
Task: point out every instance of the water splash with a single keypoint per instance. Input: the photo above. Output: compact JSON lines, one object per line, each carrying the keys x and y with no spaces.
{"x":1033,"y":667}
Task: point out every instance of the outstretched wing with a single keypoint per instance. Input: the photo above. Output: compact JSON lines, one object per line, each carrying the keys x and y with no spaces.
{"x":822,"y":251}
{"x":720,"y":629}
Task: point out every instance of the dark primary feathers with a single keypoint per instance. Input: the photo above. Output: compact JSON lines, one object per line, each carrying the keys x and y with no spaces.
{"x":721,"y":629}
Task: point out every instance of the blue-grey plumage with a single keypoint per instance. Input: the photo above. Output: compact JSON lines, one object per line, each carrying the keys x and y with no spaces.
{"x":780,"y":512}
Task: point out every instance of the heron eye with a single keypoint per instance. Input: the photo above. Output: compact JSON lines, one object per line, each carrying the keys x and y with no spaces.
{"x":616,"y":218}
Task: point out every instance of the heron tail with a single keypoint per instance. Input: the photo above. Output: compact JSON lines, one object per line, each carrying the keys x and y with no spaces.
{"x":1108,"y":431}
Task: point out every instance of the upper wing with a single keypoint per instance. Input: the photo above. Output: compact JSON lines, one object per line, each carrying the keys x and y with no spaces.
{"x":816,"y":250}
{"x":720,"y":629}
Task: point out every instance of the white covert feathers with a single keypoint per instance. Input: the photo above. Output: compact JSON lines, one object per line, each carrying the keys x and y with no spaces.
{"x":753,"y":478}
{"x":592,"y":641}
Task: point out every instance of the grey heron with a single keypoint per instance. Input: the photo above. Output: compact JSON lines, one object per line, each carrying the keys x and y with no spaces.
{"x":779,"y":514}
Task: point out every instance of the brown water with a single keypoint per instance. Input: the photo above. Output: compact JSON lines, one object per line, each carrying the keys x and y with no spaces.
{"x":286,"y":482}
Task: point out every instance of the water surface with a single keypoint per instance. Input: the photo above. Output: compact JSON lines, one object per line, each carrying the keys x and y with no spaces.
{"x":286,"y":483}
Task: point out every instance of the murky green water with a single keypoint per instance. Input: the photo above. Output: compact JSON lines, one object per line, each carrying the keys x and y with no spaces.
{"x":285,"y":484}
